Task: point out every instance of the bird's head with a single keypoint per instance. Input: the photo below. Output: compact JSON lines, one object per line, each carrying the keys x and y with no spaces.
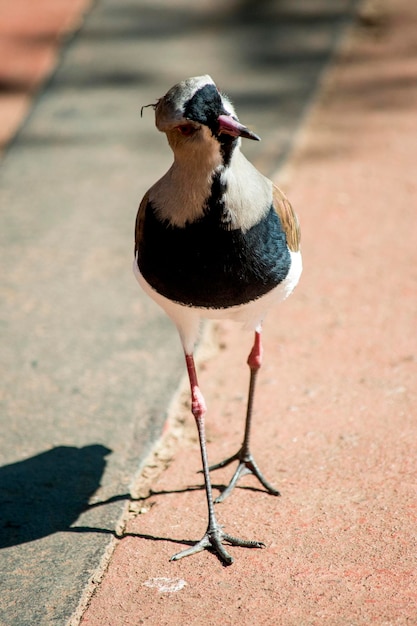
{"x":194,"y":114}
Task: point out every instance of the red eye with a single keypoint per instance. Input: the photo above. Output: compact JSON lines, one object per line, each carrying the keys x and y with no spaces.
{"x":187,"y":129}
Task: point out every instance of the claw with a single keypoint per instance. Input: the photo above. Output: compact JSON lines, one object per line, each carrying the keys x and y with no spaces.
{"x":247,"y":465}
{"x":213,"y":539}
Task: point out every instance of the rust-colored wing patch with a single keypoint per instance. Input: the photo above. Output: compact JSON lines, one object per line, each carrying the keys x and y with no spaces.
{"x":140,"y":220}
{"x":288,"y":219}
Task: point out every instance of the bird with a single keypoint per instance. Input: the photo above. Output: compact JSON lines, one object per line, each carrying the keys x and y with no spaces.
{"x":214,"y":239}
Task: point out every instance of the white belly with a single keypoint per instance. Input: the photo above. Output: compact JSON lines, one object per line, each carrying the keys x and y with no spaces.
{"x":251,"y":314}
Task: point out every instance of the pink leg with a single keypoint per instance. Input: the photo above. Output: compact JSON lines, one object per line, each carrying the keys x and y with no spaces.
{"x":214,"y":535}
{"x":256,"y":354}
{"x":247,"y":464}
{"x":198,"y":404}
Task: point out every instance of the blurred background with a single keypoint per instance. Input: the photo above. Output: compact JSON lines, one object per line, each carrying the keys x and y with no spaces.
{"x":88,"y":364}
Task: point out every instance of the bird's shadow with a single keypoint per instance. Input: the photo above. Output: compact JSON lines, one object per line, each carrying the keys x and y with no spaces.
{"x":46,"y":493}
{"x":128,"y":498}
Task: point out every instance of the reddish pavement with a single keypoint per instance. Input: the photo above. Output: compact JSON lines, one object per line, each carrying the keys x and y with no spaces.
{"x":335,"y":411}
{"x":335,"y":418}
{"x":31,"y":34}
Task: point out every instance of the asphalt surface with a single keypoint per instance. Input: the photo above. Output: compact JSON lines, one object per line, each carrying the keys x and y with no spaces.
{"x":89,"y":365}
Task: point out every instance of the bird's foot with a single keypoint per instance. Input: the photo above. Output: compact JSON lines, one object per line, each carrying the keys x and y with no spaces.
{"x":213,"y":540}
{"x":247,"y":465}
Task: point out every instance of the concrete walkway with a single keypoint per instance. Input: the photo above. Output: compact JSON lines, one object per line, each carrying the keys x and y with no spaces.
{"x":90,"y":367}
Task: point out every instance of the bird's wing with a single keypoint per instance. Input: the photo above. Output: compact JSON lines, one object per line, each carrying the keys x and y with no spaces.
{"x":140,"y":219}
{"x":288,"y":219}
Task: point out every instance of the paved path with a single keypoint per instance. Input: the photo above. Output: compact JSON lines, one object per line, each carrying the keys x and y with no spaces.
{"x":336,"y":408}
{"x":89,"y":366}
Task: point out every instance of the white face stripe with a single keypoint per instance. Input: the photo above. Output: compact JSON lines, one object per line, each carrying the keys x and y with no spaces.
{"x":169,"y":110}
{"x":228,"y":106}
{"x":187,"y":88}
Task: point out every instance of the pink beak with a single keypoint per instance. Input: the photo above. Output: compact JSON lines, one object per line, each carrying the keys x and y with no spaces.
{"x":228,"y":125}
